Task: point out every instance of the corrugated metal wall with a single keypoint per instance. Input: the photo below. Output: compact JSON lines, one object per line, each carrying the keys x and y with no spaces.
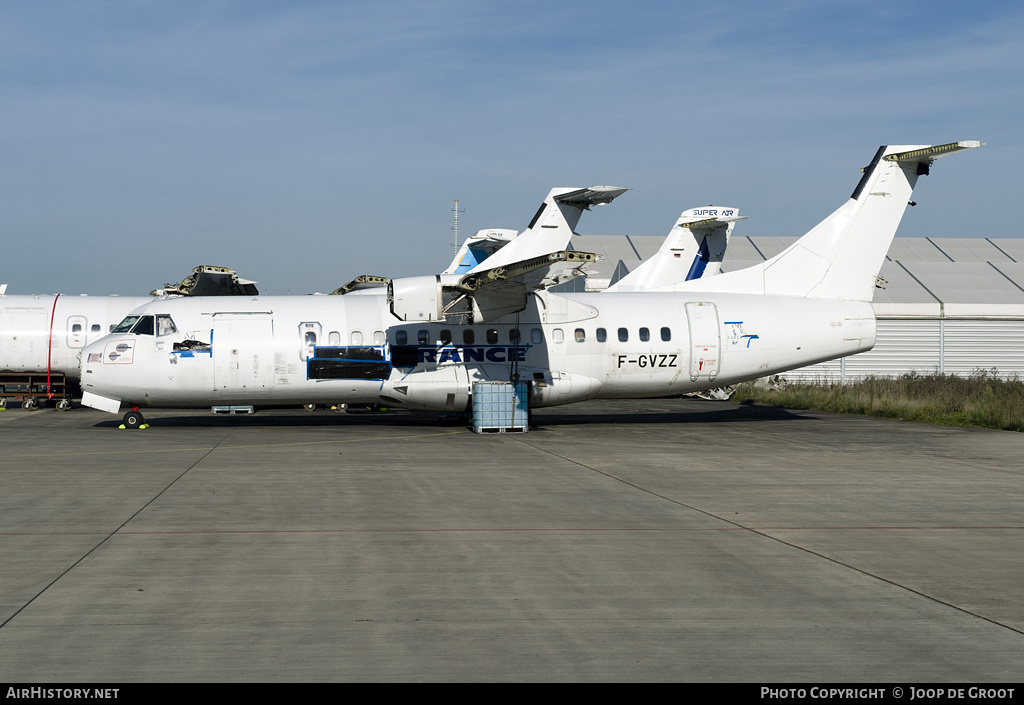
{"x":951,"y":345}
{"x":984,"y":344}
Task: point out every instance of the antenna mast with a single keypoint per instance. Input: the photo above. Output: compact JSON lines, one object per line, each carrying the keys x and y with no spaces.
{"x":455,"y":228}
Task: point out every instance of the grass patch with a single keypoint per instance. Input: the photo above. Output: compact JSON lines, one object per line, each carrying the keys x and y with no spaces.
{"x":981,"y":399}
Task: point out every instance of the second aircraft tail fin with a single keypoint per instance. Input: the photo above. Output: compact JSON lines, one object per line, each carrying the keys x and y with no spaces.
{"x":693,"y":249}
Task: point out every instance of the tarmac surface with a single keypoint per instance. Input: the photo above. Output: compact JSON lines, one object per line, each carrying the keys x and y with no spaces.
{"x":663,"y":540}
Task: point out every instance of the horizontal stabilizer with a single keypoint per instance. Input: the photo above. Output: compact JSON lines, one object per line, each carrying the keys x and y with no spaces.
{"x":594,"y":196}
{"x":927,"y":154}
{"x":712,"y":223}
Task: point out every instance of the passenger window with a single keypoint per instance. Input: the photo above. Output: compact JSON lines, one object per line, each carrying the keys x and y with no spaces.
{"x":164,"y":325}
{"x":558,"y":335}
{"x":513,"y":335}
{"x":492,"y":336}
{"x":334,"y":338}
{"x":378,"y":337}
{"x":446,"y":336}
{"x":645,"y":334}
{"x":356,"y":337}
{"x":467,"y":336}
{"x":401,"y":337}
{"x":76,"y":327}
{"x":95,"y":327}
{"x":601,"y":334}
{"x":310,"y":332}
{"x":666,"y":334}
{"x":423,"y":337}
{"x":623,"y":335}
{"x":536,"y":336}
{"x":580,"y":335}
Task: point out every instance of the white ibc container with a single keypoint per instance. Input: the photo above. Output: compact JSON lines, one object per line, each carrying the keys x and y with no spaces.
{"x":500,"y":407}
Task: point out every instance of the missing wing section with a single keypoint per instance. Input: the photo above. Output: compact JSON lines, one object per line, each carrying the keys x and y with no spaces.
{"x":485,"y":295}
{"x":365,"y":283}
{"x":209,"y":280}
{"x":552,"y":227}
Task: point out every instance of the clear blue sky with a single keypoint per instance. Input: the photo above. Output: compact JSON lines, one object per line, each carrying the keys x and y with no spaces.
{"x":305,"y":143}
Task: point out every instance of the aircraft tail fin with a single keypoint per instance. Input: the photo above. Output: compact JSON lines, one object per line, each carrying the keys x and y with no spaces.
{"x":479,"y":247}
{"x":553,"y":225}
{"x":841,"y":256}
{"x":693,"y":249}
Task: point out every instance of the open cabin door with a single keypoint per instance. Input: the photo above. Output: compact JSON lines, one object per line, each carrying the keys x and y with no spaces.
{"x":705,"y":347}
{"x":243,"y":355}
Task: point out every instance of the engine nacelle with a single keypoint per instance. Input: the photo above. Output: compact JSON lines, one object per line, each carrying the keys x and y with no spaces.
{"x":557,"y":388}
{"x":416,"y":298}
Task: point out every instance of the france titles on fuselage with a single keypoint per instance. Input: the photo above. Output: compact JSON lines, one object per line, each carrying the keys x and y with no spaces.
{"x":425,"y":348}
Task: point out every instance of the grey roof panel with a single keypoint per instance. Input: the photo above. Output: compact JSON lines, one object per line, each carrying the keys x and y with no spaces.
{"x":743,"y":249}
{"x":613,"y":247}
{"x":1014,"y":271}
{"x":901,"y":287}
{"x":771,"y":245}
{"x":915,"y":249}
{"x":966,"y":282}
{"x":969,"y":249}
{"x":646,"y":245}
{"x":1014,"y":247}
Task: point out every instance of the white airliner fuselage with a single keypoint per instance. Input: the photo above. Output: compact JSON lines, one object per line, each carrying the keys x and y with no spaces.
{"x":320,"y":349}
{"x":426,"y":342}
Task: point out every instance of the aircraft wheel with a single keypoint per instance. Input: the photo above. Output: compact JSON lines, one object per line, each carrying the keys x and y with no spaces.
{"x":63,"y":405}
{"x":133,"y":419}
{"x":309,"y":407}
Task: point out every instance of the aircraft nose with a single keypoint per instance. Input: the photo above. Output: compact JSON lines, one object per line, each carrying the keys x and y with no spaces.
{"x":89,"y":359}
{"x":94,"y":375}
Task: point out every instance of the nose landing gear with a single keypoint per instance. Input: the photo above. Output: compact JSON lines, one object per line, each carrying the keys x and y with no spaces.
{"x":134,"y":419}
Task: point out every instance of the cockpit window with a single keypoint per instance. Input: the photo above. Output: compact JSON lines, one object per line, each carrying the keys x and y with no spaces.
{"x":144,"y":326}
{"x":125,"y":325}
{"x":165,"y":326}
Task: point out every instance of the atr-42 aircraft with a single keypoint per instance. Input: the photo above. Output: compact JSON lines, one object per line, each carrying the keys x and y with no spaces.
{"x":424,"y":343}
